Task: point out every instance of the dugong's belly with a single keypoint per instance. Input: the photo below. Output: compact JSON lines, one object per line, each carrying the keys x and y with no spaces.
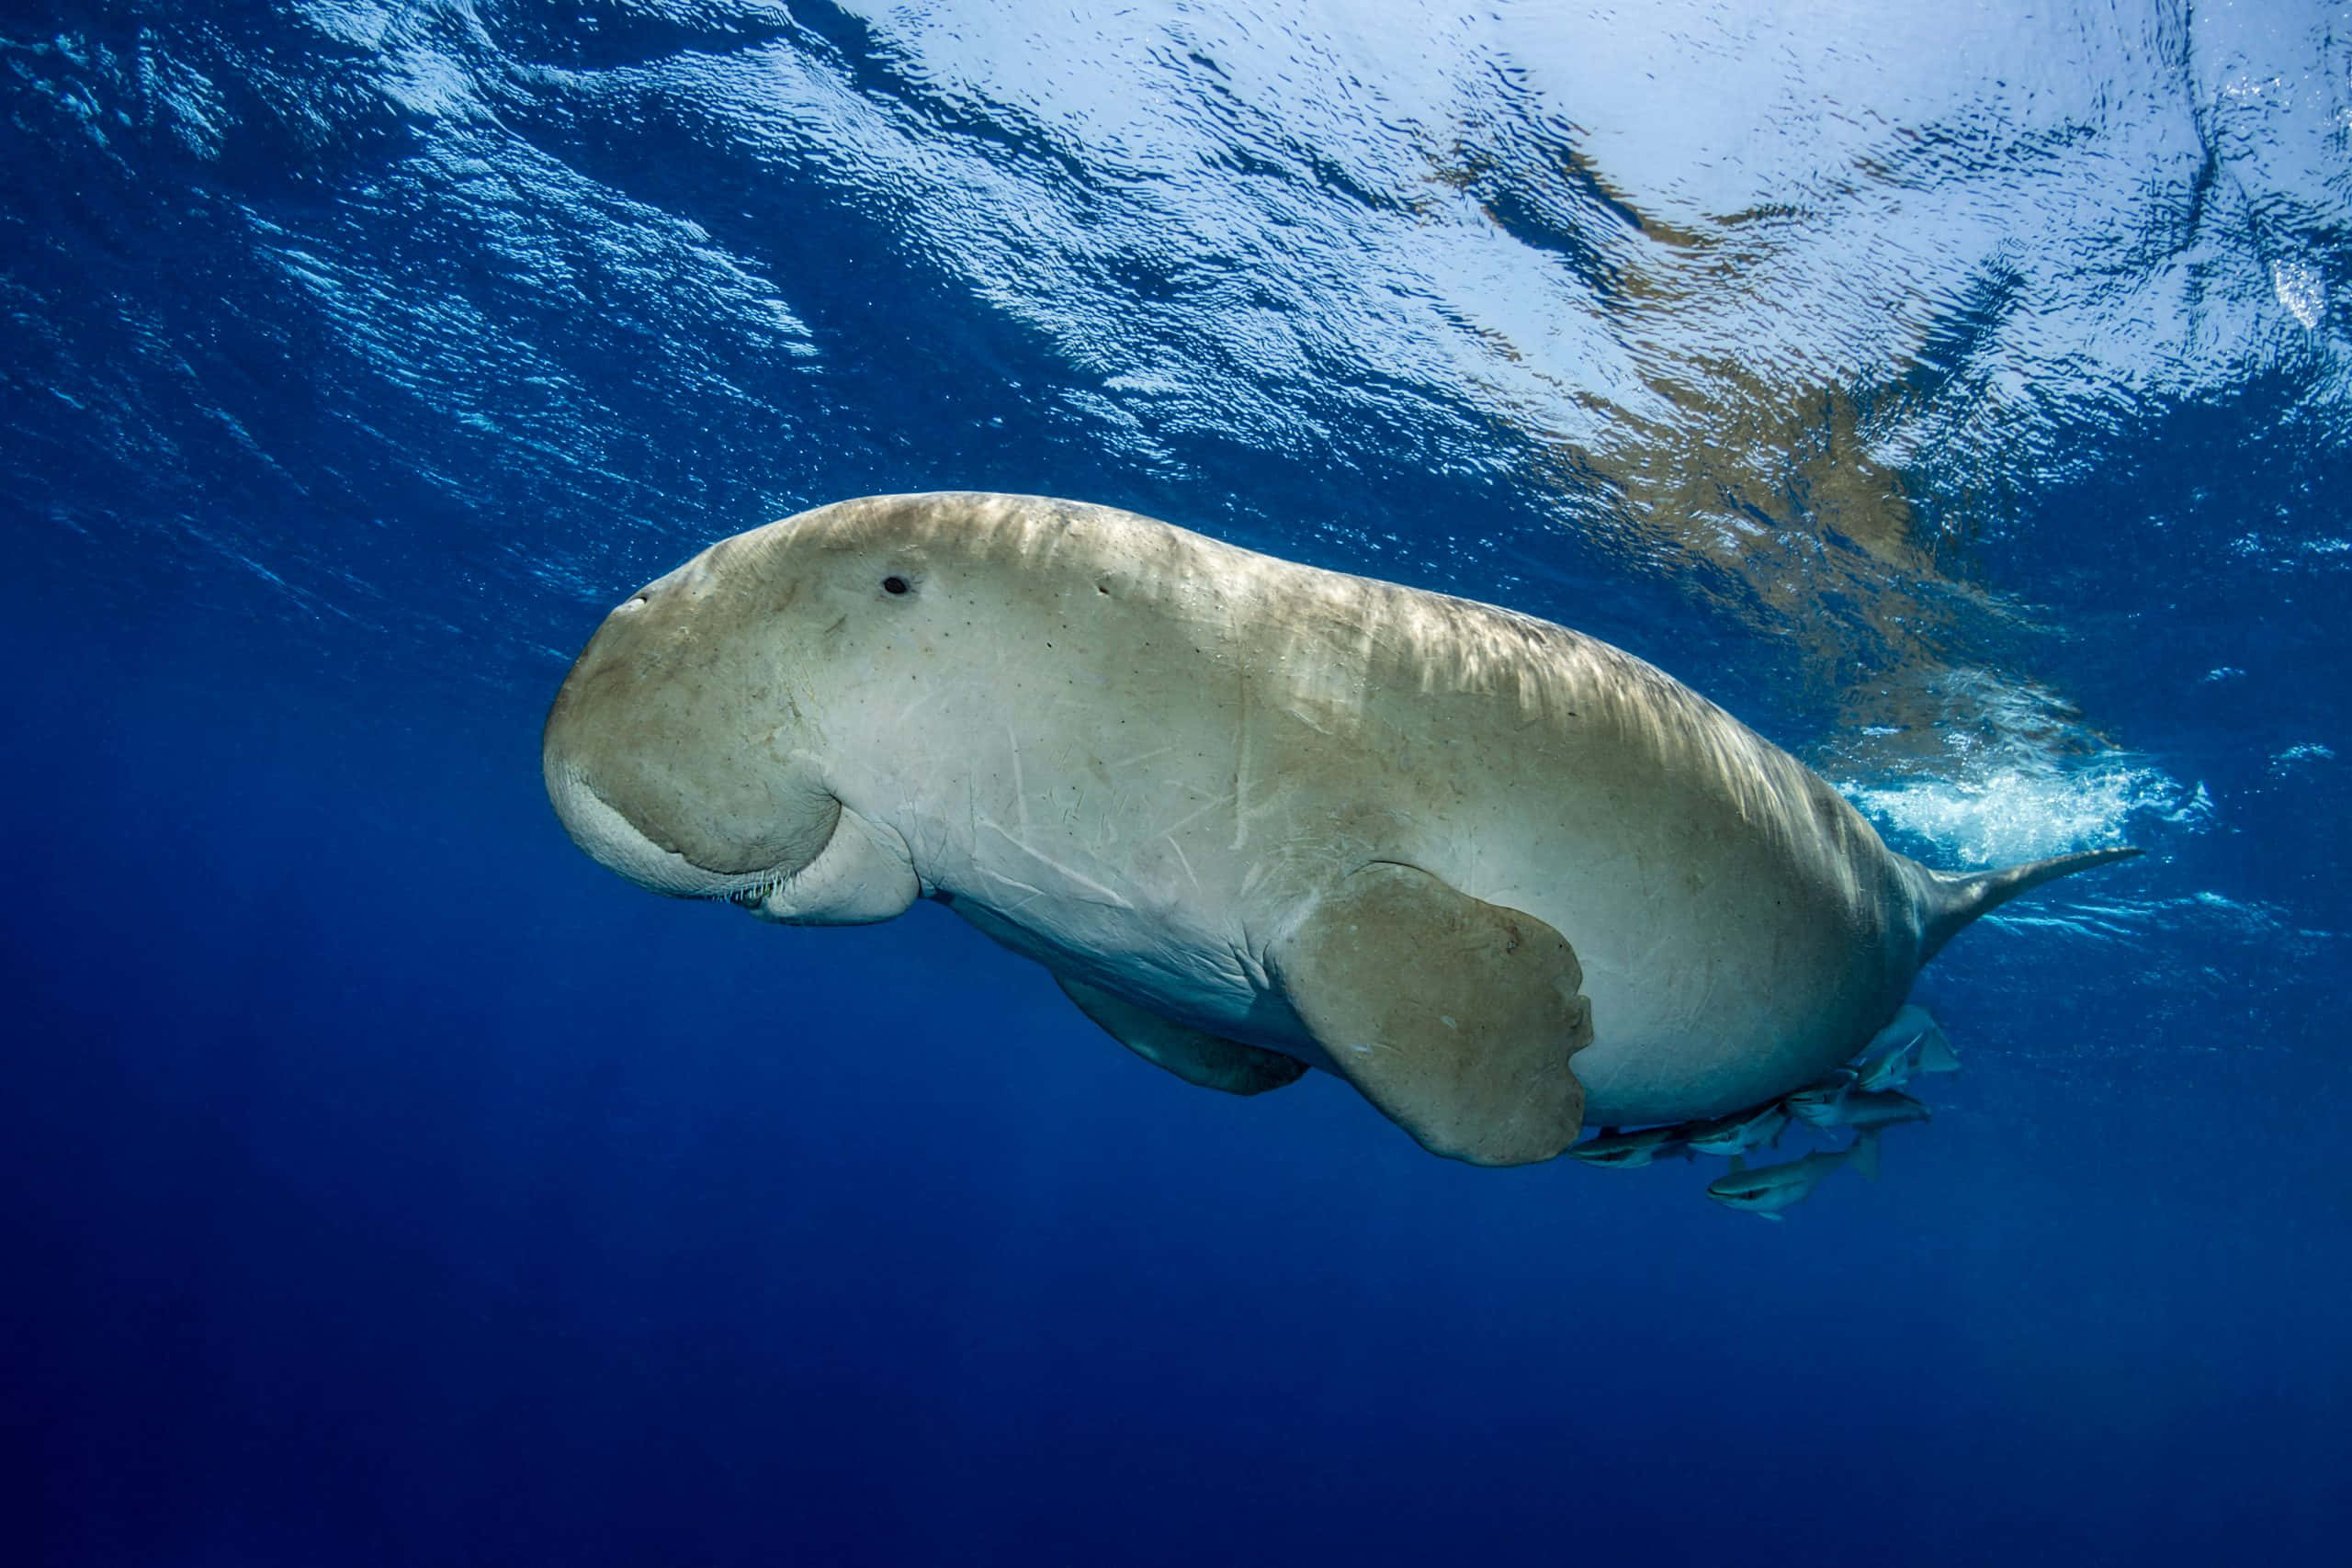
{"x":1697,"y":1011}
{"x":1186,"y":961}
{"x":1640,"y":1069}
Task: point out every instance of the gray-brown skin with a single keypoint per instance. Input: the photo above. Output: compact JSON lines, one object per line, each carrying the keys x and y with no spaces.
{"x":1254,"y":817}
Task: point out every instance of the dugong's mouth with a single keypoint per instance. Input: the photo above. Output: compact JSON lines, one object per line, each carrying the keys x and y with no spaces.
{"x":614,"y":841}
{"x":860,"y":874}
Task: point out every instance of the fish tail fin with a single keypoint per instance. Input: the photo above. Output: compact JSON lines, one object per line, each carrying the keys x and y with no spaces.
{"x":1863,"y":1155}
{"x":1936,"y":1054}
{"x":1950,"y":899}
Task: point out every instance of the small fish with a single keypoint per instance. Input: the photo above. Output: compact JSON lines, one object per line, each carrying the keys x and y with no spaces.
{"x":1912,"y":1044}
{"x":1867,"y":1108}
{"x":1741,"y":1130}
{"x":1816,"y":1105}
{"x":1768,"y":1188}
{"x":1629,"y":1149}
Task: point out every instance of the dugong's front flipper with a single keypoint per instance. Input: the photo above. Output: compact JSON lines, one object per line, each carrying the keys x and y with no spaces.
{"x":1456,"y":1017}
{"x":1205,"y":1059}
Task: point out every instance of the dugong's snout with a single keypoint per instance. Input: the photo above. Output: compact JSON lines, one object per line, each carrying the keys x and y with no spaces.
{"x":671,"y":752}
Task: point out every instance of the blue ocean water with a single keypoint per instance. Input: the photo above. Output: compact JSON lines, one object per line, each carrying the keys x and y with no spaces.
{"x":1959,"y":398}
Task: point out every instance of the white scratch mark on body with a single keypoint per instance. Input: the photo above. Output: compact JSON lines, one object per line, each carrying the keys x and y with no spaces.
{"x":1075,"y":879}
{"x":1196,"y":816}
{"x":922,"y":699}
{"x":1020,"y":791}
{"x":1184,"y":860}
{"x":1241,"y":771}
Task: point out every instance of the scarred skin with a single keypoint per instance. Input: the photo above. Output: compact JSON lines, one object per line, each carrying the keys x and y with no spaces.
{"x":1142,"y":757}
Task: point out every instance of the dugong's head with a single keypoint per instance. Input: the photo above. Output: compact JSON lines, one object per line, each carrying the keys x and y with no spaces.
{"x":680,"y":751}
{"x":696,"y":745}
{"x":722,"y":732}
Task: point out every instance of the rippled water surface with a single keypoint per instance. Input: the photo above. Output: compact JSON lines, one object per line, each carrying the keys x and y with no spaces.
{"x":1958,"y":394}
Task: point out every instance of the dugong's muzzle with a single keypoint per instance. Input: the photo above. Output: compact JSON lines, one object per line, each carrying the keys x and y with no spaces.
{"x":669,"y":753}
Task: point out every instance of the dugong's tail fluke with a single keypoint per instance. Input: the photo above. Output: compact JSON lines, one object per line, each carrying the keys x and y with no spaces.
{"x":1953,"y":899}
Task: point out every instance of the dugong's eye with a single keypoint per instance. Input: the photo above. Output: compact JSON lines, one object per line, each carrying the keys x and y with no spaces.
{"x":894,"y":584}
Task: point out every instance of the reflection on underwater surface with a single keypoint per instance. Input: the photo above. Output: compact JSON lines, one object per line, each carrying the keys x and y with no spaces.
{"x":1959,"y":399}
{"x":1804,"y":345}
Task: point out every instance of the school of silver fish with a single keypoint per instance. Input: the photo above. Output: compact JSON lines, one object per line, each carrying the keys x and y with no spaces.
{"x":1865,"y":1097}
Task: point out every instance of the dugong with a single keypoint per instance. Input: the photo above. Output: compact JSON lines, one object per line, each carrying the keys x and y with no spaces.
{"x":1254,"y":817}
